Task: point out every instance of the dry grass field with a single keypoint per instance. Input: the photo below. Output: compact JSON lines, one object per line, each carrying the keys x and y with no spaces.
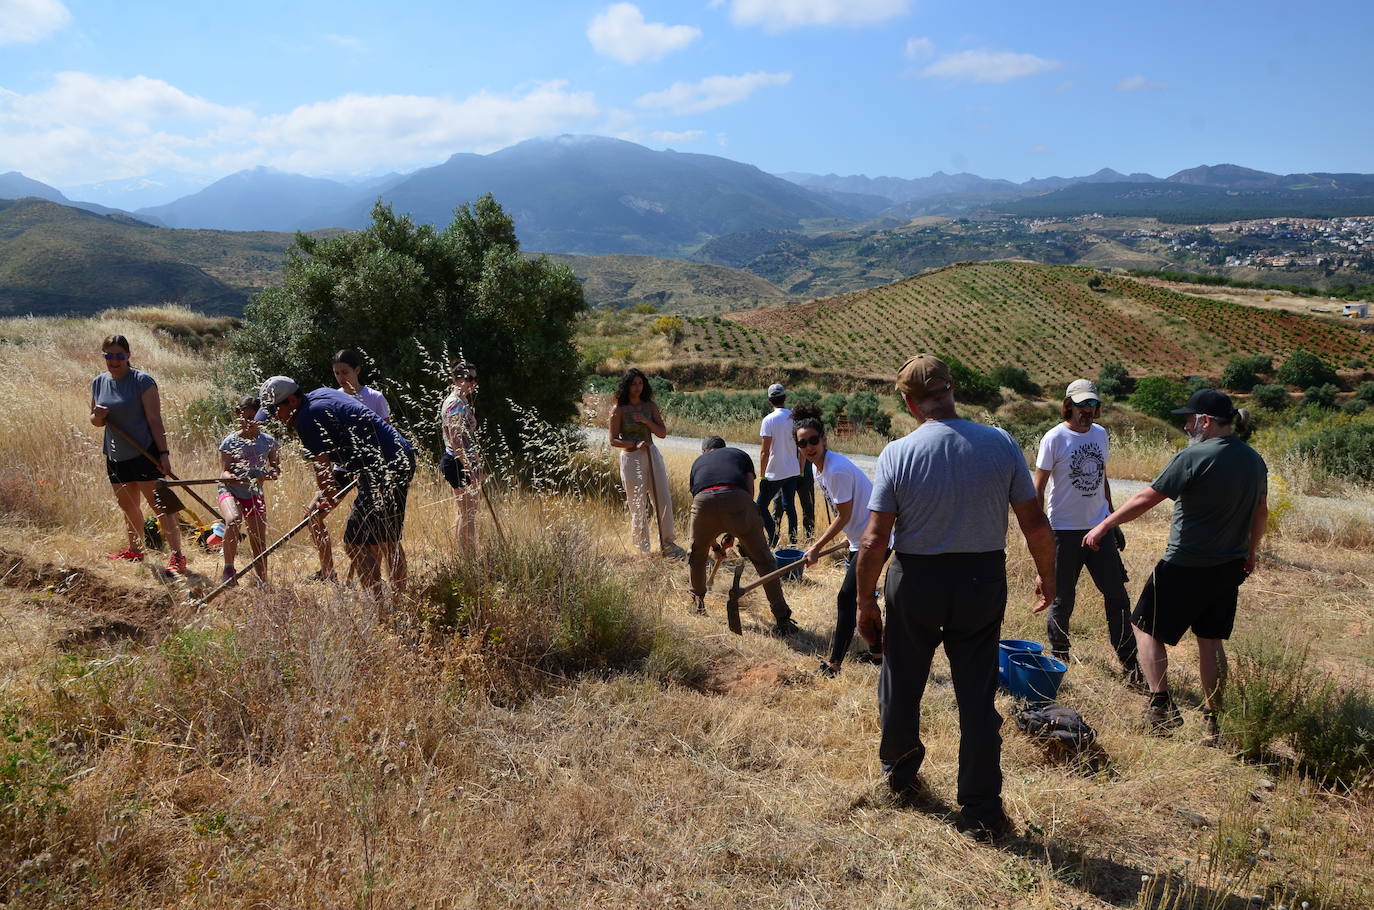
{"x":546,"y":725}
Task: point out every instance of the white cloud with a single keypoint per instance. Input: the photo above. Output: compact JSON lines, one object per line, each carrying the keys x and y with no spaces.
{"x":988,"y":66}
{"x":1139,"y":83}
{"x":620,"y":32}
{"x":86,"y":128}
{"x":918,"y":47}
{"x":710,"y":93}
{"x":668,"y":137}
{"x":780,"y":15}
{"x":27,"y":21}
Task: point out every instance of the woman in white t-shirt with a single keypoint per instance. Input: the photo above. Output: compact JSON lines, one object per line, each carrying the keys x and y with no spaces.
{"x":348,"y":368}
{"x":1072,"y":462}
{"x":846,"y":488}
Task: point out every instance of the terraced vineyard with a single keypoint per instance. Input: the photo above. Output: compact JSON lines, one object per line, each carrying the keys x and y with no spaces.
{"x":1048,"y":319}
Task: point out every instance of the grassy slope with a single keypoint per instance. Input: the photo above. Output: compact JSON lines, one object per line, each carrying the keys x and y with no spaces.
{"x":1044,"y":318}
{"x":397,"y":776}
{"x":673,"y":285}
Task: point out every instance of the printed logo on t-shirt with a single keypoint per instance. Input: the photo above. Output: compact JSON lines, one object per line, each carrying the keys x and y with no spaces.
{"x":1087,"y":466}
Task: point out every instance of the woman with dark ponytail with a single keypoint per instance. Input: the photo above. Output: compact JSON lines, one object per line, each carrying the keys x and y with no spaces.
{"x":847,"y":489}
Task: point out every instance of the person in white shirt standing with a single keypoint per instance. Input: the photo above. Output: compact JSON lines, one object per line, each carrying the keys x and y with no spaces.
{"x":847,"y":488}
{"x":779,"y":465}
{"x":1072,"y":462}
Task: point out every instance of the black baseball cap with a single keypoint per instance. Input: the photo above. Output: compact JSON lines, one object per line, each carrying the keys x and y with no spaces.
{"x":1210,"y":402}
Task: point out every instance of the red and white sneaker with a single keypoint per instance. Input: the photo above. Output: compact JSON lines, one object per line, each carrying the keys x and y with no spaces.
{"x":176,"y":564}
{"x":128,"y":553}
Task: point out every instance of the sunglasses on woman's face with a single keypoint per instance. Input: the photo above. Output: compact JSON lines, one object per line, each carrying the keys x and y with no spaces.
{"x":809,"y":441}
{"x":1085,"y":405}
{"x":116,"y":355}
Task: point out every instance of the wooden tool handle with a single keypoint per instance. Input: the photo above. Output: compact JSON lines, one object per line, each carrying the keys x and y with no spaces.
{"x":778,"y":573}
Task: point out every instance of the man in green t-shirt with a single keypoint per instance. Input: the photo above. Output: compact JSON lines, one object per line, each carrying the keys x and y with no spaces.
{"x":1220,"y":488}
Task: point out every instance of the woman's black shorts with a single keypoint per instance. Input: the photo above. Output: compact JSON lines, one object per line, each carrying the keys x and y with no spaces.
{"x":1178,"y":598}
{"x":131,"y":470}
{"x":454,"y":471}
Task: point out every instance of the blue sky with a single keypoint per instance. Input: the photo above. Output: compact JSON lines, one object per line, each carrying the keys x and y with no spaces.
{"x":142,"y":101}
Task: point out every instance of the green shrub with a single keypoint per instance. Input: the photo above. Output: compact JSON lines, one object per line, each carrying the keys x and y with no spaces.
{"x":1322,"y":396}
{"x":971,"y":386}
{"x":1344,"y":451}
{"x":1334,"y":734}
{"x":1157,"y":396}
{"x":1264,"y":695}
{"x":1113,"y":381}
{"x":1273,"y":397}
{"x":210,"y":417}
{"x":1365,"y":391}
{"x":644,"y":308}
{"x":1014,"y":378}
{"x":1196,"y":383}
{"x":1239,"y":375}
{"x":1304,"y":369}
{"x":1354,"y":407}
{"x":1355,"y":363}
{"x":1261,"y":364}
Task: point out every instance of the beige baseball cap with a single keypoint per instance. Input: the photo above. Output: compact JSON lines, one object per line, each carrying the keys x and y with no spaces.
{"x":1081,"y":390}
{"x":922,"y":375}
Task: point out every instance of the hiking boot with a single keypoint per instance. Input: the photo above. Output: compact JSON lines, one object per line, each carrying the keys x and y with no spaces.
{"x":1060,"y":654}
{"x":698,"y":605}
{"x":987,"y":830}
{"x":869,"y":657}
{"x":1211,"y":729}
{"x":827,"y":670}
{"x":227,"y":577}
{"x":1160,"y":719}
{"x":785,"y":627}
{"x":128,"y":553}
{"x":176,"y":564}
{"x":673,"y":551}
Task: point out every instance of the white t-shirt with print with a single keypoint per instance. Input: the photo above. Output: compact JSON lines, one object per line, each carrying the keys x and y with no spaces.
{"x":782,"y":458}
{"x":1077,"y":462}
{"x":844,"y":481}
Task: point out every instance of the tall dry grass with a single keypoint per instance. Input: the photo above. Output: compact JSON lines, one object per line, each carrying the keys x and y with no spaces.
{"x":552,"y":727}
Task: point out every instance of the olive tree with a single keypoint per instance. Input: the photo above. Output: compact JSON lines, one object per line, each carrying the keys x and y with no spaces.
{"x":410,"y":297}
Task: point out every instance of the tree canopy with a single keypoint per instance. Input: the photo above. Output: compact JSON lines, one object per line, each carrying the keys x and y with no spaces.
{"x":409,"y":298}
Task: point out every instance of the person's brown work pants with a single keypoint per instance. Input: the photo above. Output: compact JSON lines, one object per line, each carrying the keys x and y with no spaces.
{"x":715,"y":512}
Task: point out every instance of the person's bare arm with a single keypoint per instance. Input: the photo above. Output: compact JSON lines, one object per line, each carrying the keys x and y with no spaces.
{"x":842,"y":512}
{"x":1042,"y":480}
{"x":765,"y":450}
{"x":617,"y":421}
{"x":1107,"y":491}
{"x":1035,"y":527}
{"x":1142,"y":502}
{"x":1259,"y":523}
{"x":98,"y":413}
{"x":872,"y":550}
{"x":325,"y":499}
{"x":152,"y":410}
{"x":656,"y":424}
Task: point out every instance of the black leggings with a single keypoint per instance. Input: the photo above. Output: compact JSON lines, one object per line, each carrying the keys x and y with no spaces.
{"x":847,"y":610}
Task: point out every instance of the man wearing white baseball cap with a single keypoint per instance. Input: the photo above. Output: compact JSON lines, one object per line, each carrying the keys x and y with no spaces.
{"x":1072,"y":463}
{"x":779,"y":464}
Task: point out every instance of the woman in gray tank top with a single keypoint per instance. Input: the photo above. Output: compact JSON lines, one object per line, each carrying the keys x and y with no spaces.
{"x":125,"y":402}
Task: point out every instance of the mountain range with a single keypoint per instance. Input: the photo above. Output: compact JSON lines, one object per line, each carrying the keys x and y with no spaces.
{"x":597,"y":195}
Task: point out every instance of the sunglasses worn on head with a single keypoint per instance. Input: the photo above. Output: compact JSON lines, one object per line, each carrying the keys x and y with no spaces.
{"x":1090,"y":403}
{"x":809,"y":441}
{"x":116,"y":355}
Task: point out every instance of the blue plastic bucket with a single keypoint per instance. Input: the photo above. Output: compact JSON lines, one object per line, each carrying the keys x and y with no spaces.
{"x":793,"y":558}
{"x":1035,"y":677}
{"x":1009,"y":646}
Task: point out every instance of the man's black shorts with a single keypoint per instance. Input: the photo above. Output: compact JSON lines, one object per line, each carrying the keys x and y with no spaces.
{"x":131,"y":470}
{"x":379,"y":506}
{"x":454,"y":471}
{"x":1178,"y":598}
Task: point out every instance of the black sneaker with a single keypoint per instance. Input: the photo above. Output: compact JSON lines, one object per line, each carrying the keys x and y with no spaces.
{"x":869,"y":657}
{"x":1160,"y":720}
{"x":785,"y":627}
{"x":827,"y":670}
{"x":987,"y":830}
{"x":698,"y":605}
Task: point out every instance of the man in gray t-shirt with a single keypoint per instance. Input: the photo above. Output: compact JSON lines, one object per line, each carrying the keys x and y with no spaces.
{"x":945,"y":489}
{"x":1220,"y":486}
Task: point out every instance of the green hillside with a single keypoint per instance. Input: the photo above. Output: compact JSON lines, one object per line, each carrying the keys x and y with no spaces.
{"x":1054,"y":321}
{"x":672,"y":285}
{"x":58,"y":259}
